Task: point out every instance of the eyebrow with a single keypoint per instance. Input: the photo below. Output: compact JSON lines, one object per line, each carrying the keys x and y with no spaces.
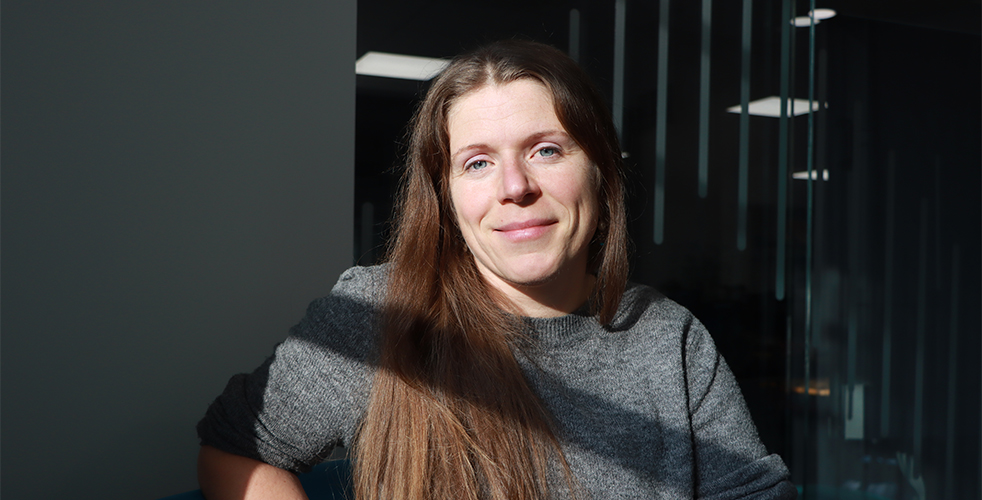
{"x":532,"y":138}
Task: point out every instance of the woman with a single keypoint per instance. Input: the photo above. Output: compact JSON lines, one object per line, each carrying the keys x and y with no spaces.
{"x":500,"y":353}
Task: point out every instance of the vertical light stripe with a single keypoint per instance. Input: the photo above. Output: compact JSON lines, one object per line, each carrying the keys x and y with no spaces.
{"x":620,"y":20}
{"x":661,"y":121}
{"x":707,"y":22}
{"x":937,"y":222}
{"x":574,"y":35}
{"x":888,"y":297}
{"x":921,"y":331}
{"x":852,"y":334}
{"x":782,"y":160}
{"x":949,"y":457}
{"x":744,"y":174}
{"x":855,"y":237}
{"x":809,"y":240}
{"x":788,"y":337}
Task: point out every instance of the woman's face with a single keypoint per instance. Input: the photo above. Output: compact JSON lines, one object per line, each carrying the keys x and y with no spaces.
{"x":524,"y":195}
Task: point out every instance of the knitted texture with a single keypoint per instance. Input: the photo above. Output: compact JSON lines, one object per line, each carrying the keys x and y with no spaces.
{"x":644,"y":408}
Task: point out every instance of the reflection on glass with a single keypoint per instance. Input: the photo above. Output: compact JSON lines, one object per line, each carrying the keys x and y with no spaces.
{"x":780,"y":262}
{"x":922,"y":285}
{"x":574,"y":34}
{"x":949,"y":458}
{"x":887,"y":329}
{"x":887,"y":354}
{"x":937,"y":223}
{"x":742,"y":180}
{"x":704,"y":58}
{"x":661,"y":122}
{"x":620,"y":18}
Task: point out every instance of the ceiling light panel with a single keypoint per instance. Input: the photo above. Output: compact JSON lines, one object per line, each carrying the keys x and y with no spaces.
{"x":803,"y":21}
{"x":399,"y":66}
{"x":771,"y":106}
{"x":803,"y":176}
{"x":818,"y":14}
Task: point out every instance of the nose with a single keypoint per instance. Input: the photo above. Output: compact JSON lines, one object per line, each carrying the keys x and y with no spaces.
{"x":517,"y":185}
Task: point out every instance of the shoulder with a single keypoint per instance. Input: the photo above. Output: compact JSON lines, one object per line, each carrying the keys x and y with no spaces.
{"x":644,"y":307}
{"x":365,"y":283}
{"x":359,"y":290}
{"x":346,"y":319}
{"x":662,"y":324}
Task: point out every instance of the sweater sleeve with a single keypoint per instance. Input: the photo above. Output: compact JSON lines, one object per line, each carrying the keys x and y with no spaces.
{"x":310,"y":394}
{"x":730,"y":460}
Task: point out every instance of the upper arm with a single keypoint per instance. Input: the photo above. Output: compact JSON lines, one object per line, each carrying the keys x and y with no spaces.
{"x":306,"y":398}
{"x":730,"y":460}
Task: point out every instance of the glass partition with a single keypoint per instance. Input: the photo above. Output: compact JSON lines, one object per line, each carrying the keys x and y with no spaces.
{"x":886,"y":354}
{"x":807,"y":182}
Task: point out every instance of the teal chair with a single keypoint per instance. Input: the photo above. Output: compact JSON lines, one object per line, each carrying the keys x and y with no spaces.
{"x":328,"y":481}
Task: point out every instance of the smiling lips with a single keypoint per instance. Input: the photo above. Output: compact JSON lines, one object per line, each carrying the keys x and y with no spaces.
{"x":518,"y":232}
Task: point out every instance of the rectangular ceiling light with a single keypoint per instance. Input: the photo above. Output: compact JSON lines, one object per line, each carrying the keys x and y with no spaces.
{"x":803,"y":176}
{"x":399,"y":66}
{"x":771,"y":106}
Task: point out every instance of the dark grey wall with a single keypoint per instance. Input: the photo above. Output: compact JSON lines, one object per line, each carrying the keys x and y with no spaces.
{"x":177,"y":184}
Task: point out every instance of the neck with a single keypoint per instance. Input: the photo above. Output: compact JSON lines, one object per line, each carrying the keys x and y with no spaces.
{"x":559,"y":296}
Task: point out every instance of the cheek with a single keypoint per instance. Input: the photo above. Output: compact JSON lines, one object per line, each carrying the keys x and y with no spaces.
{"x":464,"y":206}
{"x":581,"y":191}
{"x":594,"y":214}
{"x":589,"y":202}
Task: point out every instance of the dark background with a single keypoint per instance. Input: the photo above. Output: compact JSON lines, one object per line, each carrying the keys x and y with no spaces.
{"x":895,"y":80}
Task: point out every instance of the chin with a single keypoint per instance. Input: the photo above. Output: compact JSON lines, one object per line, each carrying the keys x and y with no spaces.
{"x":540,"y":275}
{"x":529,"y":270}
{"x":530,"y":281}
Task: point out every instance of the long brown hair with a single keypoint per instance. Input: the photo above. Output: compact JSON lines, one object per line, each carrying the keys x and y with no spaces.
{"x":451,"y":415}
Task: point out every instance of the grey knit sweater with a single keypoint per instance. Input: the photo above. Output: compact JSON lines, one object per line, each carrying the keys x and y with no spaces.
{"x":645,"y":408}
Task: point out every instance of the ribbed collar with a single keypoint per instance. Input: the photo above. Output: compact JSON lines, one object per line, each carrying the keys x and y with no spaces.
{"x":573,"y":328}
{"x":563,"y":331}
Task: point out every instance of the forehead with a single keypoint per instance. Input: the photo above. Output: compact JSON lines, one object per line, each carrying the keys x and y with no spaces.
{"x":499,"y":110}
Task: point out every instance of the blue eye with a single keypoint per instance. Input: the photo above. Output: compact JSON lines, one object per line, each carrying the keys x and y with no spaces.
{"x":476,"y":165}
{"x":547,"y":152}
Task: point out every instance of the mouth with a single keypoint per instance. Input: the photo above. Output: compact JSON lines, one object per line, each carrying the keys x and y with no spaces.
{"x":531,"y":223}
{"x":525,"y":230}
